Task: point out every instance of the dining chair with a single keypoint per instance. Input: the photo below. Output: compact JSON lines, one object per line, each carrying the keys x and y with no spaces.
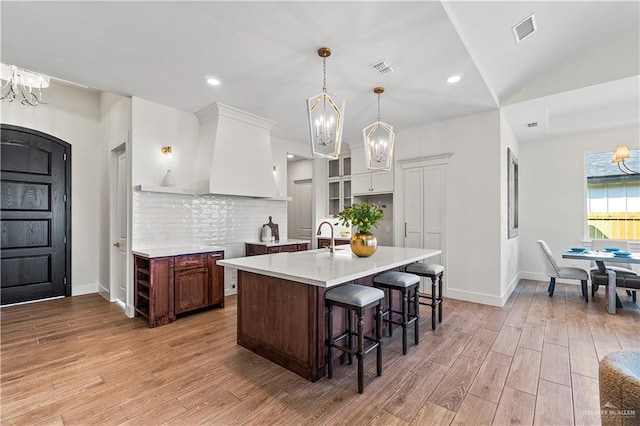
{"x":626,"y":277}
{"x":553,"y":271}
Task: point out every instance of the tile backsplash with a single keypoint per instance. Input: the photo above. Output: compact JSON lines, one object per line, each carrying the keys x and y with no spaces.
{"x":161,"y":219}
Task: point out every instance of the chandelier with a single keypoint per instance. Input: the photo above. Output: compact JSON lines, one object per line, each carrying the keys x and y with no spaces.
{"x":620,"y":154}
{"x":378,"y":141}
{"x":326,"y":114}
{"x":23,"y":85}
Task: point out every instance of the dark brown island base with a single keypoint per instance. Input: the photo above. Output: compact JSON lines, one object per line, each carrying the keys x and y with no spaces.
{"x":281,"y":313}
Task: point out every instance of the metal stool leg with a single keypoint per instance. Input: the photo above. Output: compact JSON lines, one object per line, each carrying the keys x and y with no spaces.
{"x":405,"y":319}
{"x":360,"y":350}
{"x":349,"y":337}
{"x":379,"y":339}
{"x":416,"y":307}
{"x":440,"y":299}
{"x":330,"y":340}
{"x":389,"y":313}
{"x":433,"y":302}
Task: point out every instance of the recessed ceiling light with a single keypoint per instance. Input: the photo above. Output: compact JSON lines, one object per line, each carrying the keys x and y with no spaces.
{"x":213,"y":81}
{"x":289,"y":155}
{"x":454,"y":78}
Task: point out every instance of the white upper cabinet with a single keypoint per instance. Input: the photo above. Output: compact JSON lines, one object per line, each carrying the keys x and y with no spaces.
{"x":364,"y":182}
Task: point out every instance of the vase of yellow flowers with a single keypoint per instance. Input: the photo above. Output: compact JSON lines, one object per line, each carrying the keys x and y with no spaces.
{"x":364,"y":216}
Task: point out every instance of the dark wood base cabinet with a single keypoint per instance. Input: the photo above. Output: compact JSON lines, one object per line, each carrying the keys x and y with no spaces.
{"x":326,"y":242}
{"x":168,"y":286}
{"x":257,"y":249}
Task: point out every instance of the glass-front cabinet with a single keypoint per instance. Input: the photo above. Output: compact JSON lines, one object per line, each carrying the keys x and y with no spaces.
{"x":339,"y":178}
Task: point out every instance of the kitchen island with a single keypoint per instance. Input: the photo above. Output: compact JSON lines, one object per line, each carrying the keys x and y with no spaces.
{"x":281,"y":299}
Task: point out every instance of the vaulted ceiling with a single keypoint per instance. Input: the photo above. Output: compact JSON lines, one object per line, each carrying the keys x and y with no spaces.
{"x":264,"y":54}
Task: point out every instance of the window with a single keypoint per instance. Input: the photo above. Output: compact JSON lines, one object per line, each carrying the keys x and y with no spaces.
{"x":613,"y":198}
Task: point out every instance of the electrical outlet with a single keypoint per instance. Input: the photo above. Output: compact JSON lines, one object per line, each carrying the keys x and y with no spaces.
{"x":388,"y":228}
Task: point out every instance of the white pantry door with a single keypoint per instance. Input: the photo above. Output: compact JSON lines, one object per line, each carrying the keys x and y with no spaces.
{"x":423,"y":210}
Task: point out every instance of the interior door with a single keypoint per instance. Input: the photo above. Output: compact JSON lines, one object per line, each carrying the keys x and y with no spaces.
{"x":413,"y":208}
{"x":35,"y":232}
{"x":120,"y":228}
{"x":303,"y":200}
{"x":433,"y":210}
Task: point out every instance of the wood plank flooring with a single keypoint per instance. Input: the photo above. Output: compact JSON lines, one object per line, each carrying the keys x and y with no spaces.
{"x":80,"y":360}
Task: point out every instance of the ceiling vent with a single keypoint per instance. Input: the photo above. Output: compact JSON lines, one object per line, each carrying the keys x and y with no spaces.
{"x":383,"y":68}
{"x":524,"y":28}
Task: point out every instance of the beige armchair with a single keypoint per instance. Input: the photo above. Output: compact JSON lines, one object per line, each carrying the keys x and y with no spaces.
{"x":553,"y":271}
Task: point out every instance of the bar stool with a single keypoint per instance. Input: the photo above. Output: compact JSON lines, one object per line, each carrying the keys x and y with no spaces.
{"x":357,"y":298}
{"x":433,"y":271}
{"x":407,"y":285}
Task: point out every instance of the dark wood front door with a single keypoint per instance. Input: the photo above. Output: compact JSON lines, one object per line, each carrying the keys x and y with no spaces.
{"x":35,"y":215}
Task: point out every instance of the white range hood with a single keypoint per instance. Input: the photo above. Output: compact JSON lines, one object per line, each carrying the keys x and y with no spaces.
{"x":234,"y":153}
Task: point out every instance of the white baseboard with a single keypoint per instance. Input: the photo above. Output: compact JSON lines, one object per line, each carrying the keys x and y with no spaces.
{"x":470,"y":296}
{"x":79,"y":290}
{"x":536,"y":276}
{"x":130,"y":311}
{"x":230,"y":292}
{"x":104,"y":292}
{"x":507,"y":293}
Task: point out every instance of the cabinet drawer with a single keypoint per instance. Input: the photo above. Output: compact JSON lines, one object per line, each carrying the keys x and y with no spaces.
{"x":188,"y":262}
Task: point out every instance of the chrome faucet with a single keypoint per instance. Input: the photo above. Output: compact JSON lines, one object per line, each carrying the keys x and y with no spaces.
{"x":332,"y":245}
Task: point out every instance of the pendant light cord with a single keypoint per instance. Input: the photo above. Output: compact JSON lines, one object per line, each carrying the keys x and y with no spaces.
{"x":324,"y":75}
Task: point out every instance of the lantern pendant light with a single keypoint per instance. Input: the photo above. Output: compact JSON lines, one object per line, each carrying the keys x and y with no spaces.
{"x":378,"y":141}
{"x":326,"y":116}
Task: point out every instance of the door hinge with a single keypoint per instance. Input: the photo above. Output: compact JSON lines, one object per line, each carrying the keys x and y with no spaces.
{"x":65,"y":280}
{"x":65,"y":239}
{"x":64,"y":198}
{"x":64,"y":157}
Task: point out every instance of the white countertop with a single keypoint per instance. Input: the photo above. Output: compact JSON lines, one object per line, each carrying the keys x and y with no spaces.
{"x":278,"y":243}
{"x":324,"y":269}
{"x":175,"y":251}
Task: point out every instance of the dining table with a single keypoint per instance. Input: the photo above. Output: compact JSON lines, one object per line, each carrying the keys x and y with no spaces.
{"x":600,"y":257}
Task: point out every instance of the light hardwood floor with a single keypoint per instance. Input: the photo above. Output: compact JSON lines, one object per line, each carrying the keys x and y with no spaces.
{"x":79,"y":360}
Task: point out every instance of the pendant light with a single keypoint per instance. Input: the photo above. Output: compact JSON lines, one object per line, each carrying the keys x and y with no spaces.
{"x":620,"y":154}
{"x":378,"y":141}
{"x":326,"y":116}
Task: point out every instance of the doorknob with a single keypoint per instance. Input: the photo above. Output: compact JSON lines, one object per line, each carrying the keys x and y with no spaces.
{"x":117,"y":244}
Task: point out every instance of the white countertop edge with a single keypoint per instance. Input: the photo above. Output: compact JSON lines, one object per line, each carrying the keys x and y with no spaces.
{"x":231,"y":263}
{"x":174,"y":251}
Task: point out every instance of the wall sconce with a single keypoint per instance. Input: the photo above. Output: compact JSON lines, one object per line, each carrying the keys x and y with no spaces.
{"x":275,"y":169}
{"x":169,"y":179}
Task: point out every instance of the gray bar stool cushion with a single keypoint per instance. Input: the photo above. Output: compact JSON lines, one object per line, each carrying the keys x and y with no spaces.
{"x":396,"y":279}
{"x":425,"y":268}
{"x":354,"y":294}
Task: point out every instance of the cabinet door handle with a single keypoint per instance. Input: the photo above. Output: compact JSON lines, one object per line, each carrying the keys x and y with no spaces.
{"x":117,"y":244}
{"x":405,"y":229}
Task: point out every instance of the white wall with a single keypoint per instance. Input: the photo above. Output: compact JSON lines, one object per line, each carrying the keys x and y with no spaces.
{"x":473,"y":199}
{"x":553,"y":193}
{"x":154,"y":126}
{"x":509,"y":254}
{"x":74,"y":116}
